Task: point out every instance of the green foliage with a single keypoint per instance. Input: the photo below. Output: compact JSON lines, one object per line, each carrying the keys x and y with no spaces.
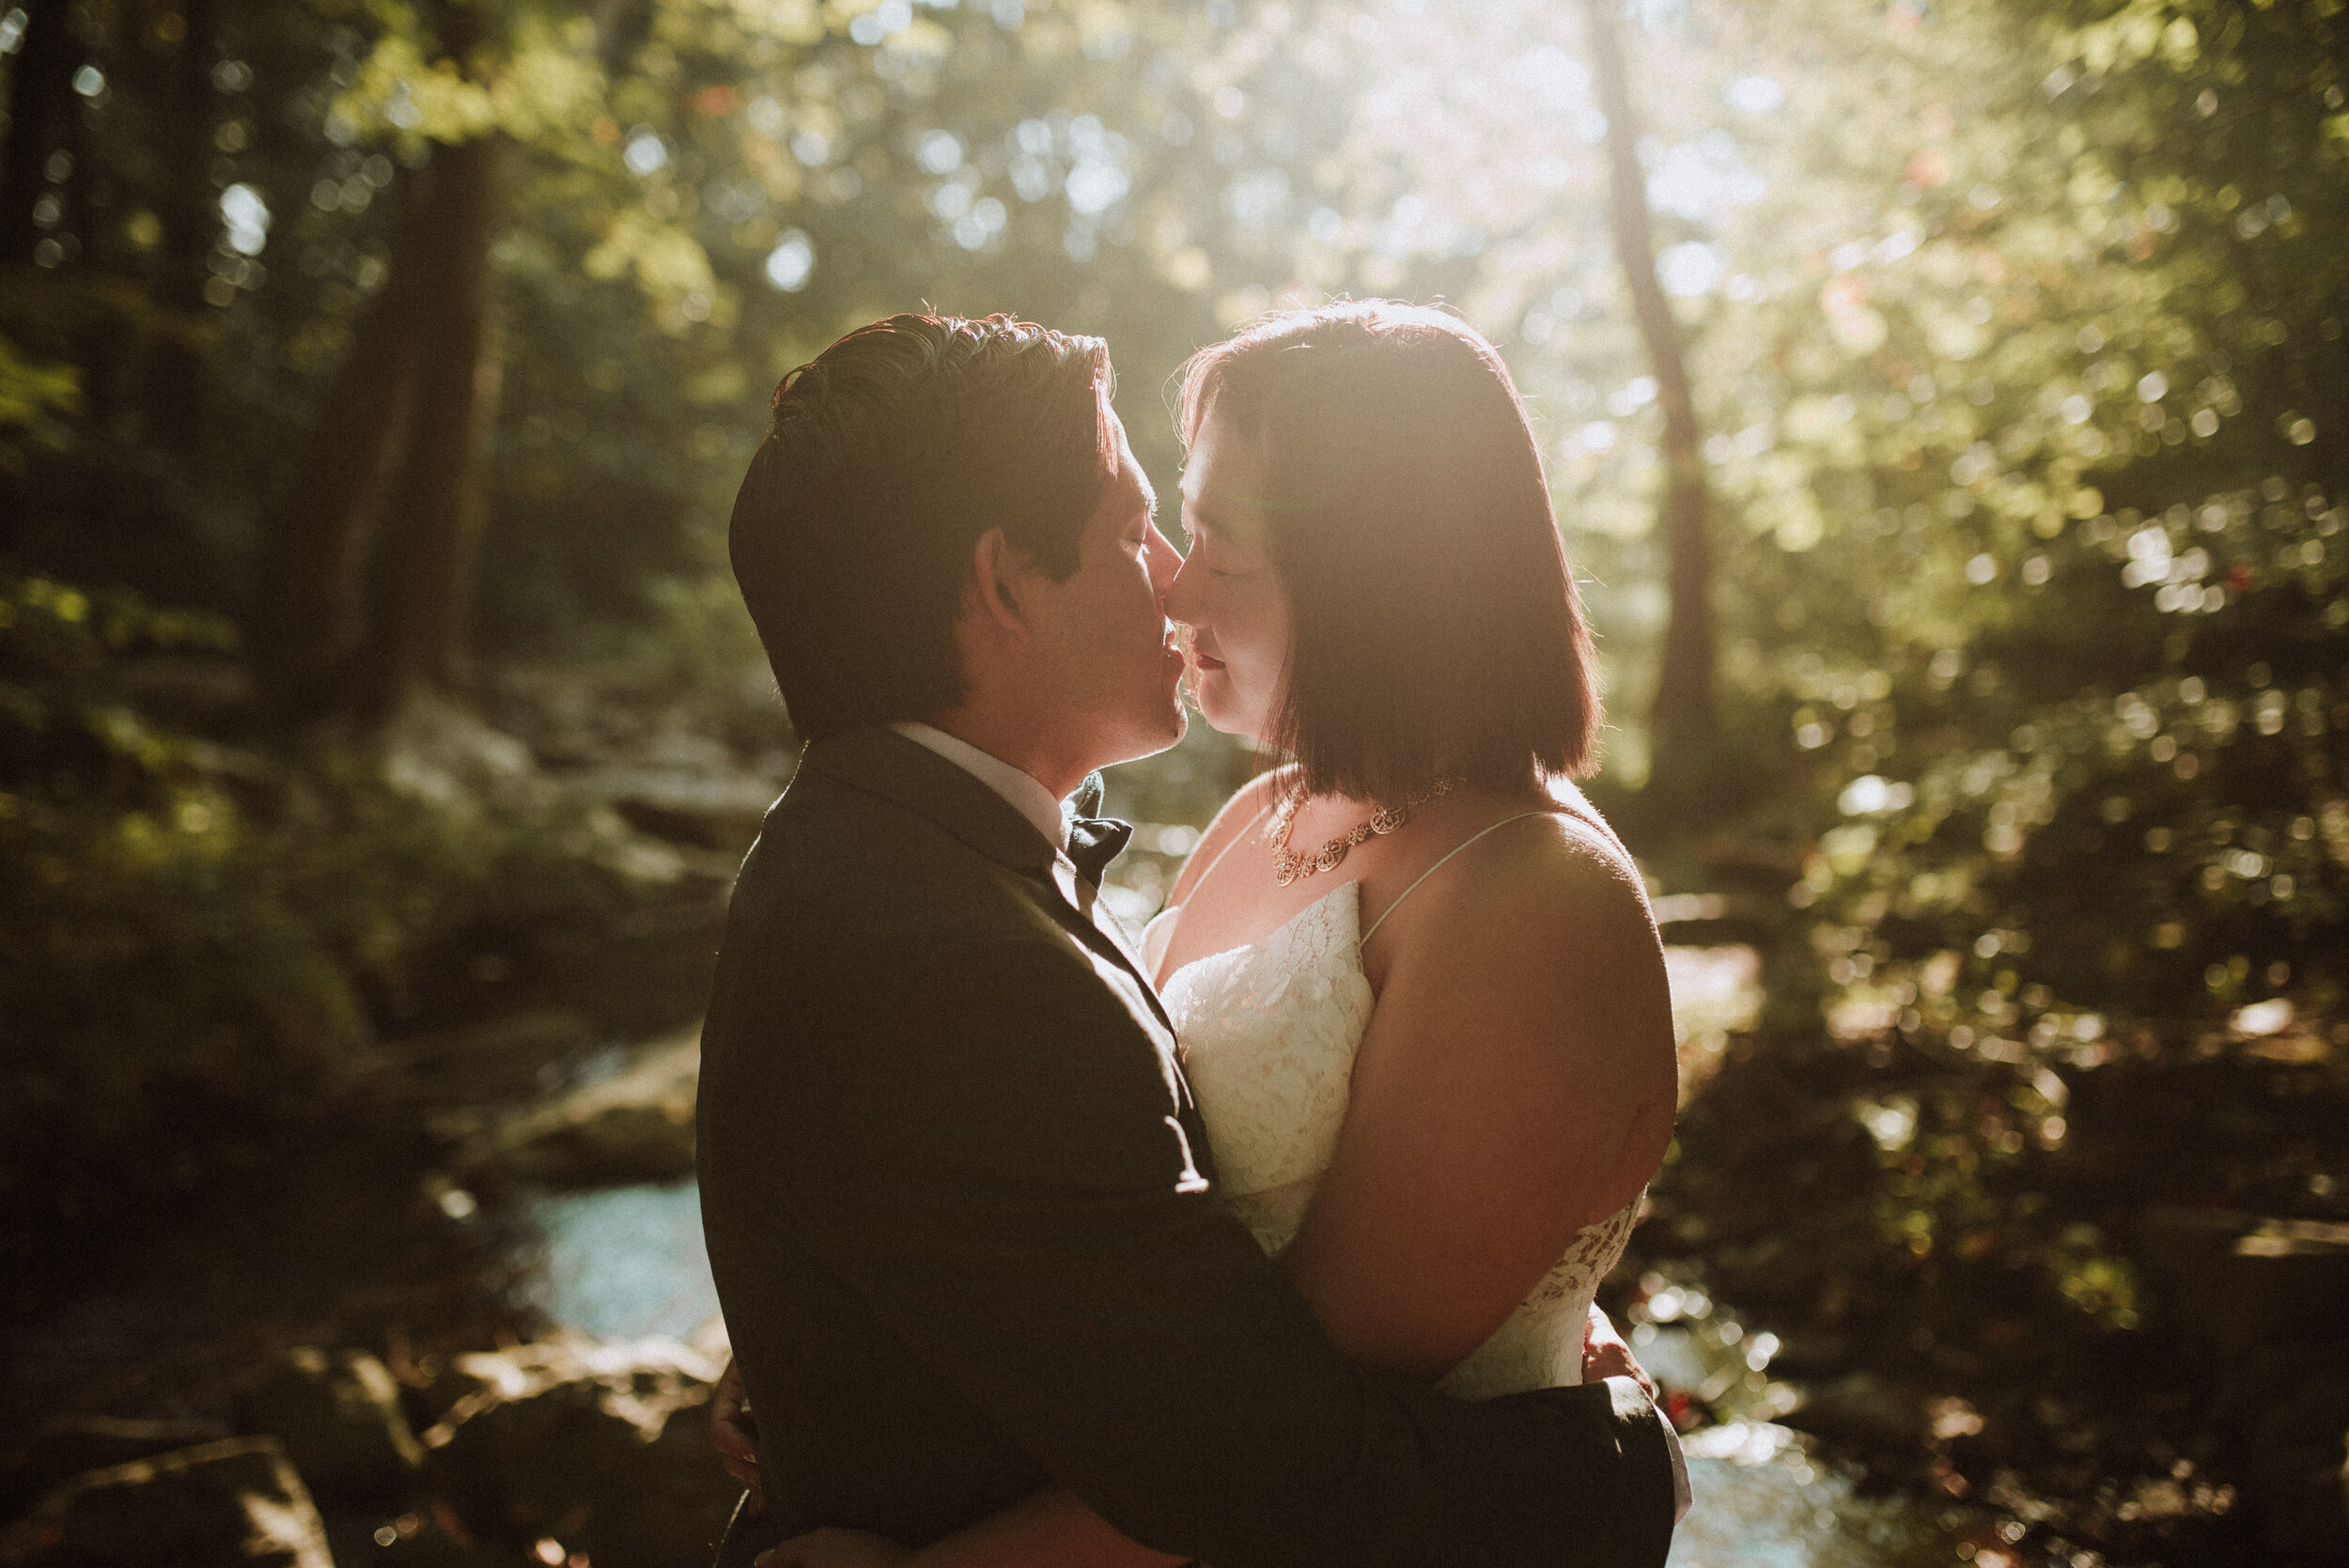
{"x":2079,"y":714}
{"x":2017,"y":335}
{"x":2033,"y":533}
{"x":2046,"y":1245}
{"x":32,"y":399}
{"x":198,"y":943}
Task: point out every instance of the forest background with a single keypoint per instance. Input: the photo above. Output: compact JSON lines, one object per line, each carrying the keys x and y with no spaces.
{"x":1945,"y":399}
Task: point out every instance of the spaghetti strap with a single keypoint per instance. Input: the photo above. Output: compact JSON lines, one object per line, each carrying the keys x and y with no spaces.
{"x":1440,"y":865}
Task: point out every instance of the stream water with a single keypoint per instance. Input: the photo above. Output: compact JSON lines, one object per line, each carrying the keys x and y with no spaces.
{"x":625,"y":1263}
{"x":628,"y":1263}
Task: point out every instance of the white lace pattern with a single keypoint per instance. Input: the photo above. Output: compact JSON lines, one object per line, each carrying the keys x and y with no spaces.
{"x":1268,"y":1034}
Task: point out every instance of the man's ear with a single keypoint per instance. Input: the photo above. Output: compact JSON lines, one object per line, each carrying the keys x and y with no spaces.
{"x":997,"y":574}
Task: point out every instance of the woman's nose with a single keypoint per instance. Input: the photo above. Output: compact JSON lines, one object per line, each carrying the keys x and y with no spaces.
{"x":1179,"y":599}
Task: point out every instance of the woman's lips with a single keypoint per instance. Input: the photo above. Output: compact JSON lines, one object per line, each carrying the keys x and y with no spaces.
{"x":1205,"y":661}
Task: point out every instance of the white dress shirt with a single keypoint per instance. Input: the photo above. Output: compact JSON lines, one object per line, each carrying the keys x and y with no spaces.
{"x":1023,"y":791}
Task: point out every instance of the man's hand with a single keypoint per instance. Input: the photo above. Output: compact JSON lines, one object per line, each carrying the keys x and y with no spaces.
{"x":735,"y":1435}
{"x":833,"y":1548}
{"x":1605,"y":1355}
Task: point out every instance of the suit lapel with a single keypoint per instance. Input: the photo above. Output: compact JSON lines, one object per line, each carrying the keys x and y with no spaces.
{"x":1080,"y":908}
{"x":886,"y":764}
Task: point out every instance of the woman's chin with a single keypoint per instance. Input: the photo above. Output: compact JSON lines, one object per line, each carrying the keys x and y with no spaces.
{"x":1220,"y":702}
{"x":1224,"y":717}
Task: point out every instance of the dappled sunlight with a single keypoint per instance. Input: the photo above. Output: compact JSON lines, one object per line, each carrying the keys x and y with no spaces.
{"x":1941,"y":404}
{"x":1716,"y":992}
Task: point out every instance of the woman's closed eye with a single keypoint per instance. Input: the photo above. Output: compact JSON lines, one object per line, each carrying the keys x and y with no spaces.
{"x":1207,"y":555}
{"x":1212,"y":555}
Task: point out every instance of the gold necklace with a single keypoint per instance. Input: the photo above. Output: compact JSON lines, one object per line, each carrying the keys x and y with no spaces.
{"x":1288,"y":865}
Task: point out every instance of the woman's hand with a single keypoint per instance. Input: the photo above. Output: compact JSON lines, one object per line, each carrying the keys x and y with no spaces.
{"x":1605,"y":1355}
{"x":735,"y":1435}
{"x":834,"y":1548}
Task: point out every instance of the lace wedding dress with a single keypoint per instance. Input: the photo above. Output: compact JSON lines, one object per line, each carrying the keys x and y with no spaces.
{"x":1267,"y":1034}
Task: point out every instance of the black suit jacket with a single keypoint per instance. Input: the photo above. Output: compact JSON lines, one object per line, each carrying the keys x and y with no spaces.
{"x":959,"y":1207}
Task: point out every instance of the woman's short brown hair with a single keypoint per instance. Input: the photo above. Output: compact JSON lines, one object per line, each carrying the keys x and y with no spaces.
{"x":890,"y":454}
{"x":1435,"y":626}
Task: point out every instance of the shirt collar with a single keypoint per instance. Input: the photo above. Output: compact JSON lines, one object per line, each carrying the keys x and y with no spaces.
{"x":1022,"y":791}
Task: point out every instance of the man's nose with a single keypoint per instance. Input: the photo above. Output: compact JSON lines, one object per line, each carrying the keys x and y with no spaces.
{"x":1165,"y":566}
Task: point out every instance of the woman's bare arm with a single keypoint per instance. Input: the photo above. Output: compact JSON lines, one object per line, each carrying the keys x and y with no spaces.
{"x":1516,"y":1083}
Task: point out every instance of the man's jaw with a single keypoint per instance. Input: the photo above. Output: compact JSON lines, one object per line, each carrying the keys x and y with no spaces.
{"x":1163,"y":733}
{"x":1143,"y":727}
{"x":1175,"y":672}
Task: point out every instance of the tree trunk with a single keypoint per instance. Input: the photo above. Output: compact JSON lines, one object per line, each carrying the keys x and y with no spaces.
{"x":364,"y":591}
{"x":433,"y":526}
{"x":308,"y":617}
{"x":176,"y":377}
{"x":42,"y":118}
{"x":1684,"y":730}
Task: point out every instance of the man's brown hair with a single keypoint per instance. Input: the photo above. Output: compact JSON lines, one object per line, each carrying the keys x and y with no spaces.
{"x":1435,"y":626}
{"x":891,"y":453}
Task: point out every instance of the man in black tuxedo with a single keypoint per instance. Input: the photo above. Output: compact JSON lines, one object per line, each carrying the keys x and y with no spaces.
{"x":959,"y":1203}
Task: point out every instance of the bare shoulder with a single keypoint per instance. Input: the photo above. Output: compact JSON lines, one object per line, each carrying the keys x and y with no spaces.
{"x":1556,"y":878}
{"x":1578,"y":856}
{"x":1543,"y":919}
{"x":1248,"y":802}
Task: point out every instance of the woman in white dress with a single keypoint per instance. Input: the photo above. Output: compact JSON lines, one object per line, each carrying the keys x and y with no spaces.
{"x":1420,"y":997}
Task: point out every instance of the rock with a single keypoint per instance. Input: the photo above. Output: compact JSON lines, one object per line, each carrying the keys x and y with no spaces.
{"x":1807,"y":1358}
{"x":634,"y":1127}
{"x":712,"y":804}
{"x":440,"y":751}
{"x":603,"y":1449}
{"x":1859,"y":1412}
{"x":338,"y":1415}
{"x":73,"y":1444}
{"x":236,"y":1503}
{"x":2297,"y":1467}
{"x":2247,"y":1281}
{"x":2270,"y":1298}
{"x":430,"y":1536}
{"x":453,"y":1072}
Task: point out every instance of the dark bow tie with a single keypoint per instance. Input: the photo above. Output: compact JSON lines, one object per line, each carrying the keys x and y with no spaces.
{"x":1096,"y":841}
